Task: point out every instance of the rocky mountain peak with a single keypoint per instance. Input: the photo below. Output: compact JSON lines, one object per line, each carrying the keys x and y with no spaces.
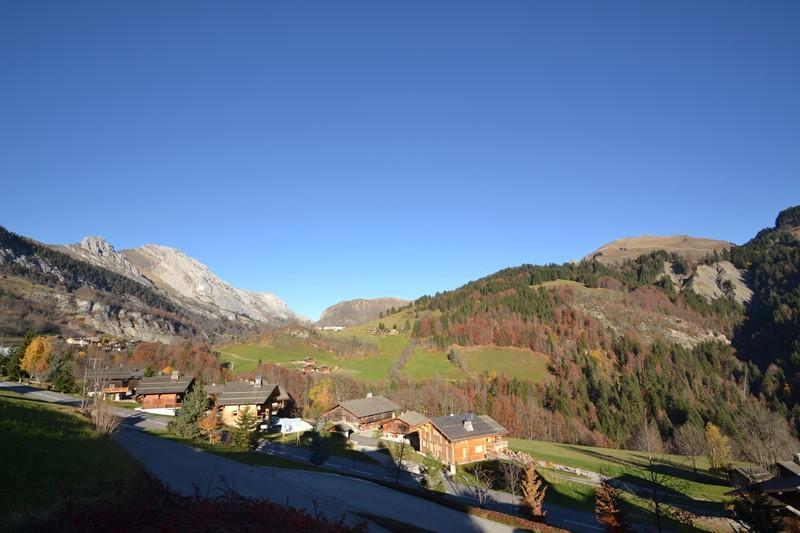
{"x":97,"y":245}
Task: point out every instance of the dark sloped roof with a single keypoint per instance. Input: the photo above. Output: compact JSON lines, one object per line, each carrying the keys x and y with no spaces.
{"x":282,"y":394}
{"x":790,"y":466}
{"x":215,"y":389}
{"x":771,"y":486}
{"x":413,"y":418}
{"x":117,"y":373}
{"x":370,"y":406}
{"x":245,"y":393}
{"x":163,"y":385}
{"x":452,"y":427}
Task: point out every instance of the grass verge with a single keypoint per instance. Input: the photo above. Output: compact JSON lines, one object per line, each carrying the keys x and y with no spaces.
{"x":49,"y":453}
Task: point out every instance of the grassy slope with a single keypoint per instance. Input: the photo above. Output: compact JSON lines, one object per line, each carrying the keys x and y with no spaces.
{"x":423,"y":364}
{"x":623,"y":463}
{"x":513,"y":362}
{"x":49,"y":452}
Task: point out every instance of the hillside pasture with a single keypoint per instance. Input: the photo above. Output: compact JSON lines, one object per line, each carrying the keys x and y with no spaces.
{"x":512,"y":362}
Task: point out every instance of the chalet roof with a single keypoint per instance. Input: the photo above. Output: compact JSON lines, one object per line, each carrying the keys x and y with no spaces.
{"x":371,"y":405}
{"x":412,"y":418}
{"x":117,"y":373}
{"x":790,"y":467}
{"x":452,"y":426}
{"x":215,"y":388}
{"x":245,"y":393}
{"x":164,"y":385}
{"x":776,"y":485}
{"x":282,"y":394}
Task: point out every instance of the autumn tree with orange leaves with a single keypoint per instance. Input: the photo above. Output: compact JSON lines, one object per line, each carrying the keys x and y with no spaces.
{"x":608,"y":508}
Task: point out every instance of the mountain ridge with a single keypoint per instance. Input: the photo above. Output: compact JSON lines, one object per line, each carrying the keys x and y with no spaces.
{"x":358,"y":311}
{"x":182,"y":278}
{"x":686,"y":246}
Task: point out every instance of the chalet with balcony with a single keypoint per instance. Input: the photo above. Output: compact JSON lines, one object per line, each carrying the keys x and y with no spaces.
{"x":404,"y":426}
{"x":263,"y":399}
{"x":462,"y":438}
{"x":118,"y":383}
{"x":363,"y":413}
{"x":163,"y":392}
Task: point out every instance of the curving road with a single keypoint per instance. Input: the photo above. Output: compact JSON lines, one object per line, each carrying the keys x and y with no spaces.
{"x":189,"y":470}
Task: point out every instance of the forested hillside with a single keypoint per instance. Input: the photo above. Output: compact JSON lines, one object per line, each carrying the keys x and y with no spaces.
{"x":622,"y":346}
{"x":769,"y":337}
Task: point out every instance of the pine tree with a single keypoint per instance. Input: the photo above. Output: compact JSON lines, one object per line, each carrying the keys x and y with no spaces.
{"x":608,"y":508}
{"x":60,"y":374}
{"x":187,"y":422}
{"x":534,"y":489}
{"x":246,"y":426}
{"x":320,"y":447}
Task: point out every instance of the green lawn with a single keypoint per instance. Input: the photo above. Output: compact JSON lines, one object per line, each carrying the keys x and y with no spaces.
{"x":49,"y":451}
{"x":424,"y":364}
{"x":701,"y":486}
{"x":282,"y":350}
{"x":513,"y":362}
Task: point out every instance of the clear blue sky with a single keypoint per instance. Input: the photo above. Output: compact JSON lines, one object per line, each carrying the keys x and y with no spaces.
{"x":332,"y":150}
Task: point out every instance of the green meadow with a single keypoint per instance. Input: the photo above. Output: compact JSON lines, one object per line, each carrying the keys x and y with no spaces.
{"x":287,"y":350}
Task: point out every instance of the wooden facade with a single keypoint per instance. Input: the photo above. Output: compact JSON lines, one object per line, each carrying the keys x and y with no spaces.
{"x":461,"y":439}
{"x":363,"y":413}
{"x":163,"y":392}
{"x":161,"y":401}
{"x":263,"y":400}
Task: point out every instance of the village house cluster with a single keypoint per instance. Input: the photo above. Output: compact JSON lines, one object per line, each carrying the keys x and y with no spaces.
{"x":453,"y":439}
{"x":106,"y":344}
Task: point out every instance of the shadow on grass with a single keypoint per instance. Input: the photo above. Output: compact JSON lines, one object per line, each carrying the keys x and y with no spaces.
{"x":663,"y":466}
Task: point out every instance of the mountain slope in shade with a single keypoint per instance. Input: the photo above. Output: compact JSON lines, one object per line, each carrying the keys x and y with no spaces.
{"x":359,"y":311}
{"x":691,"y":248}
{"x":184,"y":280}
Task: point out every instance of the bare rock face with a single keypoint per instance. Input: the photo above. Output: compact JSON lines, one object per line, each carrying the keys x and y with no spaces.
{"x":99,"y":252}
{"x":359,"y":311}
{"x":184,"y":280}
{"x":192,"y":283}
{"x":718,"y":280}
{"x":691,"y":248}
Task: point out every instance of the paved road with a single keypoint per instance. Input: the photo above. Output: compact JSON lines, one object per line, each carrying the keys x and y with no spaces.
{"x":188,"y":470}
{"x":564,"y":517}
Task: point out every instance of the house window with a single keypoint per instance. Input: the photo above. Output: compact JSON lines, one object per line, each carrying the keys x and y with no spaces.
{"x":464,"y":452}
{"x":478,"y":449}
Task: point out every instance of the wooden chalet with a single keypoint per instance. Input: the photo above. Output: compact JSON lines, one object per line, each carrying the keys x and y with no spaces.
{"x":363,"y":413}
{"x":782,"y":491}
{"x":405,"y":426}
{"x":163,"y":392}
{"x":263,"y":399}
{"x":462,"y":438}
{"x":117,"y":383}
